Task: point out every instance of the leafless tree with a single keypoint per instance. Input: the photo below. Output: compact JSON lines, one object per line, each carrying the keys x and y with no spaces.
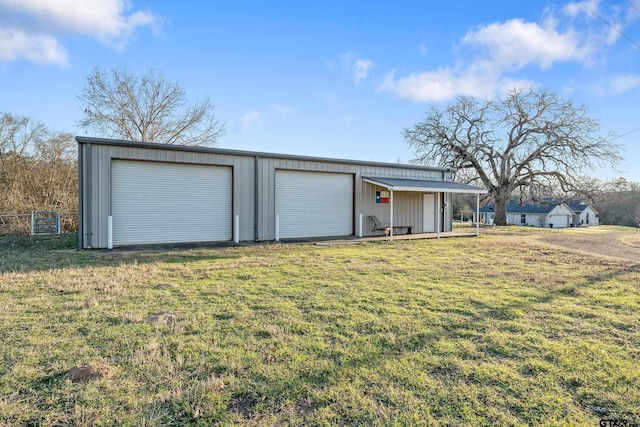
{"x":38,"y":168}
{"x":528,"y":139}
{"x":149,"y":108}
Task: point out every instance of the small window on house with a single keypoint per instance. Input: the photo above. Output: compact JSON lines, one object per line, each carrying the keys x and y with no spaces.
{"x":523,"y":219}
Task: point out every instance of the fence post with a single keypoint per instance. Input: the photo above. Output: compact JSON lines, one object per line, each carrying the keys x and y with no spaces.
{"x":33,"y":222}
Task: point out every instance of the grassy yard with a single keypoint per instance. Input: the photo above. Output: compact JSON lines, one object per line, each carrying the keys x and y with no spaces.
{"x":497,"y":330}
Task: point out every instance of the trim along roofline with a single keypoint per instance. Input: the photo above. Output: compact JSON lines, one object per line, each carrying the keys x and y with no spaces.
{"x":159,"y":146}
{"x":401,"y":184}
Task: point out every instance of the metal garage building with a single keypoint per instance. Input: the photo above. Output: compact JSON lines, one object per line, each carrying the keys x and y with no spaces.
{"x":134,"y":193}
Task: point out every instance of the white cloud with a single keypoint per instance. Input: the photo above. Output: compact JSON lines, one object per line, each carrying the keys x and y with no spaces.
{"x":43,"y":22}
{"x":623,"y":83}
{"x":446,"y":83}
{"x":577,"y":8}
{"x":516,"y":44}
{"x":361,"y":69}
{"x":282,"y":109}
{"x":432,"y":85}
{"x":39,"y":48}
{"x":499,"y":50}
{"x":250,"y":119}
{"x":357,"y":68}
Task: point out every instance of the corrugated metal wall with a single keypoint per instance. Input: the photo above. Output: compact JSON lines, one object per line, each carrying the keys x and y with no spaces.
{"x":249,"y":171}
{"x":96,"y":183}
{"x":166,"y":202}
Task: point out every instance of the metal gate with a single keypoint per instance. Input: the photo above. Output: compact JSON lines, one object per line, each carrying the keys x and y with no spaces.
{"x":45,"y":222}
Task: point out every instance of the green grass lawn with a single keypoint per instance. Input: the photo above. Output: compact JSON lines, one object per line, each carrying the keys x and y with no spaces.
{"x":496,"y":330}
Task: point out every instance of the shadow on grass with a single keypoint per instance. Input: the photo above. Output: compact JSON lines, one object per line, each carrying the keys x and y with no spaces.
{"x":52,"y":252}
{"x":510,"y":311}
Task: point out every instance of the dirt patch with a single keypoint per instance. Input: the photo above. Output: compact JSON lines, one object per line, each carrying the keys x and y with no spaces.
{"x":91,"y":372}
{"x":612,"y":243}
{"x":633,"y":240}
{"x":164,"y":286}
{"x":164,"y":317}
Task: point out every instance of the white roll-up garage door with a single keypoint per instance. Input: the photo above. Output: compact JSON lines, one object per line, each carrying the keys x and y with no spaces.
{"x":559,"y":221}
{"x":154,"y":202}
{"x":314,"y":204}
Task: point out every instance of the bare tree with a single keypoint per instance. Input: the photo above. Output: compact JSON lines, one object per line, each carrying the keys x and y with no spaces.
{"x":147,"y":108}
{"x":528,"y":139}
{"x":38,"y":168}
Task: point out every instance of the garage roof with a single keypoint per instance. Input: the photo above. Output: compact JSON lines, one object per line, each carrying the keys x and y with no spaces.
{"x":419,"y":185}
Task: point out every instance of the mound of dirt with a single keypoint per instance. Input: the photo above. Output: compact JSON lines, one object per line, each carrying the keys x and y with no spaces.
{"x":164,"y":317}
{"x":91,"y":372}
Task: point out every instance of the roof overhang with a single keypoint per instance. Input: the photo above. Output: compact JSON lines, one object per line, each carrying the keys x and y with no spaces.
{"x":423,"y":186}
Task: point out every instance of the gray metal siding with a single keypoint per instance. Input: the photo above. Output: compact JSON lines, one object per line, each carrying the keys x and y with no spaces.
{"x":407,"y":209}
{"x":257,"y":211}
{"x":266,"y":197}
{"x":97,"y":181}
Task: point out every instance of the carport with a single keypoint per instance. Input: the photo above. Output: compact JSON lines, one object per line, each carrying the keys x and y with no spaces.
{"x":425,"y":187}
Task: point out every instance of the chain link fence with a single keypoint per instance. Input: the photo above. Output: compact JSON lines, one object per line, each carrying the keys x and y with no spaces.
{"x":23,"y":224}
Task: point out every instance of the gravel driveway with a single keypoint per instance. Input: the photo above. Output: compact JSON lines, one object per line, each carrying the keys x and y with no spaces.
{"x":611,"y":242}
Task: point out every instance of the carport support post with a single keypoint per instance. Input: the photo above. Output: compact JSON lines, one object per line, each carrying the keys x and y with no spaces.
{"x":277,"y":227}
{"x":477,"y":215}
{"x":439,"y":215}
{"x":391,"y":215}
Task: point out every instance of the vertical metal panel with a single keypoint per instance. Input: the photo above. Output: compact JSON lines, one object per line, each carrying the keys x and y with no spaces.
{"x":448,"y":214}
{"x":243,"y":194}
{"x":266,"y":193}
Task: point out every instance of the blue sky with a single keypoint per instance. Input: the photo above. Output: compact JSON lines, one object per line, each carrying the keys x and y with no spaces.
{"x":331,"y":79}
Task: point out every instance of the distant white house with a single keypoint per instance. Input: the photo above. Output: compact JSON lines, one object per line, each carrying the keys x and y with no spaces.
{"x":547,"y":214}
{"x":583,"y":213}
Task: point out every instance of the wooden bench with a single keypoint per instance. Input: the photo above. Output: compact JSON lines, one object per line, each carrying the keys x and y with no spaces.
{"x":378,"y":226}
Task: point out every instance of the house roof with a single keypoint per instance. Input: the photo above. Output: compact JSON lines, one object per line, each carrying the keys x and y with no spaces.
{"x":399,"y":184}
{"x":514,"y":206}
{"x":578,"y":205}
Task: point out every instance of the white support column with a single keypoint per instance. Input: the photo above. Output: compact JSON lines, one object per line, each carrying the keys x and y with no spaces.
{"x":391,"y":216}
{"x":236,"y":228}
{"x":360,"y":226}
{"x":109,"y":232}
{"x":277,"y":227}
{"x":477,"y":215}
{"x":439,"y":214}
